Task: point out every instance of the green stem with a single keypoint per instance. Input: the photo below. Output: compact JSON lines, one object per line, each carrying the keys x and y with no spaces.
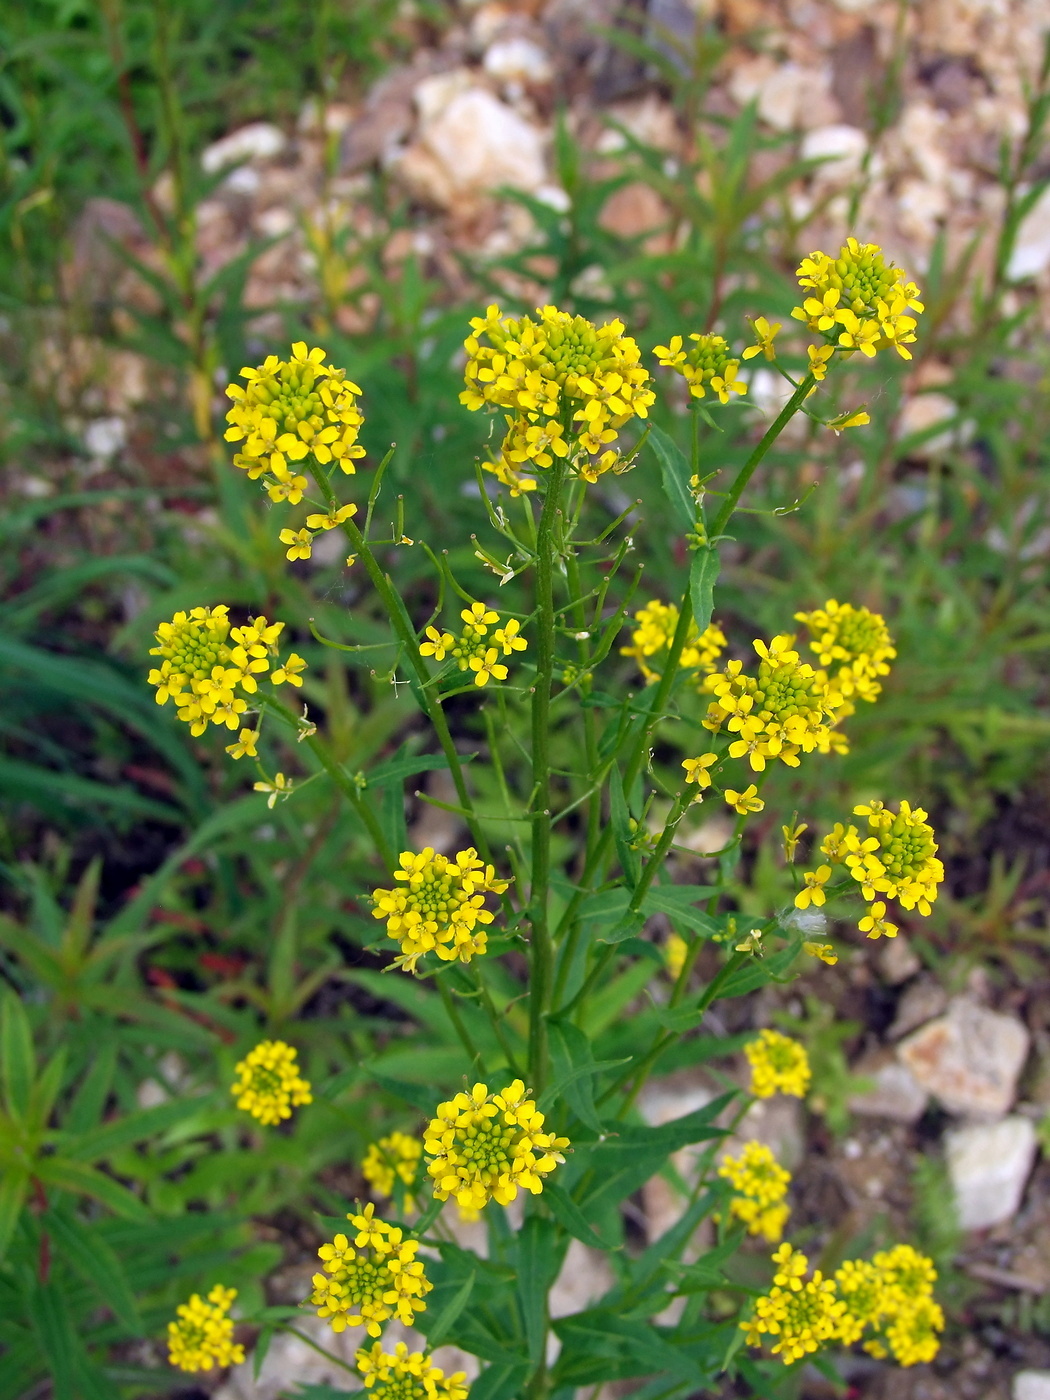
{"x":407,"y":636}
{"x":452,"y":1012}
{"x":541,"y":945}
{"x":642,"y":1072}
{"x":341,"y":778}
{"x":747,"y":471}
{"x":337,"y":1360}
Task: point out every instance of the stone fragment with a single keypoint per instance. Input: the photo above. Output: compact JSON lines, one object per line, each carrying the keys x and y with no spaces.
{"x":1031,"y":251}
{"x":921,"y":1001}
{"x":1031,"y":1385}
{"x":921,"y":412}
{"x":633,"y":210}
{"x":842,"y":148}
{"x":470,"y":144}
{"x":969,"y":1059}
{"x":585,"y":1275}
{"x":898,"y":960}
{"x":788,"y":95}
{"x":895,"y":1093}
{"x":989,"y":1164}
{"x":256,"y":141}
{"x":518,"y":60}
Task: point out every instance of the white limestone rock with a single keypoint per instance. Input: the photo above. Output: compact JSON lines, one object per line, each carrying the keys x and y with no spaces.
{"x":256,"y":141}
{"x":989,"y":1164}
{"x":969,"y":1059}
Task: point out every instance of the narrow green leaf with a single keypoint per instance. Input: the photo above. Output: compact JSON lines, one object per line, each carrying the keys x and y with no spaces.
{"x":620,"y":817}
{"x":679,"y":903}
{"x":93,"y":1258}
{"x":500,"y":1381}
{"x":392,"y":815}
{"x":45,"y":1091}
{"x":574,"y":1070}
{"x":567,"y":1213}
{"x":14,"y":1187}
{"x":83,"y":1180}
{"x":539,"y":1259}
{"x":17,"y":1060}
{"x":397,"y":769}
{"x":77,"y":934}
{"x":55,"y":1334}
{"x":98,"y":1143}
{"x":439,"y":1331}
{"x":703,"y":573}
{"x":759,"y":972}
{"x":418,"y":1095}
{"x":674,"y":473}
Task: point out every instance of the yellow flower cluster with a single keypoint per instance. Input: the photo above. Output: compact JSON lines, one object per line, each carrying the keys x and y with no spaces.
{"x":568,"y":387}
{"x":707,"y":364}
{"x":801,"y":1313}
{"x":858,"y":302}
{"x":393,"y":1158}
{"x":291,"y":409}
{"x":269,"y":1084}
{"x":854,"y":642}
{"x":892,"y":1295}
{"x":761,"y":1184}
{"x":652,"y":639}
{"x":207,"y":668}
{"x":897,"y":859}
{"x":407,"y":1375}
{"x":439,"y":906}
{"x":203,"y":1335}
{"x":484,"y":1147}
{"x":908,"y":1320}
{"x":372,"y":1279}
{"x":473,"y":650}
{"x":786,"y":709}
{"x":778,"y":1064}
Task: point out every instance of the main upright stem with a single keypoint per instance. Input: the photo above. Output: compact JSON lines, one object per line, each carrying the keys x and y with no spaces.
{"x":542,"y":948}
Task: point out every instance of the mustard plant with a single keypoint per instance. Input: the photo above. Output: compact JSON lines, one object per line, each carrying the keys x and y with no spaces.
{"x":524,"y":937}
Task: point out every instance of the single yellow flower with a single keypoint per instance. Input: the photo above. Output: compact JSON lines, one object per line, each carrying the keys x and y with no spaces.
{"x":792,"y":836}
{"x":746,"y":801}
{"x":299,"y":543}
{"x":330,"y":520}
{"x":246,"y":742}
{"x":812,"y":891}
{"x":437,"y":644}
{"x":507,"y":637}
{"x":696,"y":769}
{"x":280,"y":787}
{"x":824,"y":951}
{"x":765,"y":334}
{"x":290,"y":671}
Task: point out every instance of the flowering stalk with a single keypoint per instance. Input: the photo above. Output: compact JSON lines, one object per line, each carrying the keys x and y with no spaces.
{"x":407,"y":637}
{"x":541,"y":946}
